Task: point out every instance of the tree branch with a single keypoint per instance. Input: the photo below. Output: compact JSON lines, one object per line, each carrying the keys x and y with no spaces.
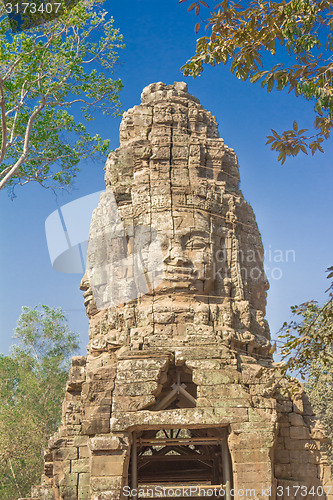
{"x":24,"y":154}
{"x":3,"y":123}
{"x":14,"y":477}
{"x":3,"y":172}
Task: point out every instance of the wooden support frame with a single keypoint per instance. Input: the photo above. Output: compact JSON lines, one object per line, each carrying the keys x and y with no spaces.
{"x":180,"y":441}
{"x":177,"y":390}
{"x":226,"y":468}
{"x":153,"y":455}
{"x":134,"y":466}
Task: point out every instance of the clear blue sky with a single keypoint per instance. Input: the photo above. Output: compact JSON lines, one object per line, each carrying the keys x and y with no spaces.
{"x":293,"y":203}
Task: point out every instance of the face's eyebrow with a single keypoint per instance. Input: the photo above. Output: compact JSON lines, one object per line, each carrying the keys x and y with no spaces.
{"x":186,"y":231}
{"x":187,"y":234}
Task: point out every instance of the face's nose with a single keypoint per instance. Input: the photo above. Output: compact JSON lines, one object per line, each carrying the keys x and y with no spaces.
{"x":176,"y":255}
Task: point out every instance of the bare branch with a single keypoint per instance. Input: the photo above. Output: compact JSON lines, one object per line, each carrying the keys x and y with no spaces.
{"x":14,"y":477}
{"x":3,"y":123}
{"x":5,"y":171}
{"x":24,"y":154}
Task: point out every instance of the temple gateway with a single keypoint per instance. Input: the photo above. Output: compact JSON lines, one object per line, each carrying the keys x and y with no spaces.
{"x":178,"y":394}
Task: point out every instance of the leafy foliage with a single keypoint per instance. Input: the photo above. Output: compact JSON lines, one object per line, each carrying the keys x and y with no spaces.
{"x":44,"y":72}
{"x":32,"y":384}
{"x":309,"y":342}
{"x":247,"y":34}
{"x":319,"y":387}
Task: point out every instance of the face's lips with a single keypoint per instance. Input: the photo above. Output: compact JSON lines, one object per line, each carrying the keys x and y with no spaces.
{"x":174,"y":273}
{"x":87,"y":300}
{"x":179,"y":269}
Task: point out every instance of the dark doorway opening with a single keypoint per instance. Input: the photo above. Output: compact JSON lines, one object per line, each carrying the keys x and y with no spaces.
{"x":191,"y":461}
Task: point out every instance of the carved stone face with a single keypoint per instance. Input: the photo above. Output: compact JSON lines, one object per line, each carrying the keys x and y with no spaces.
{"x":178,"y":250}
{"x":188,"y":252}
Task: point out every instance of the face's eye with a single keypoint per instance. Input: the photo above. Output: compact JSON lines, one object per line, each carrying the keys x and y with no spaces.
{"x":164,"y":245}
{"x":196,"y":243}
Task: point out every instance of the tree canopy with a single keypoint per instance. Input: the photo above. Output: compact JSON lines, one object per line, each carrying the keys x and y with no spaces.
{"x":32,"y":387}
{"x":46,"y":73}
{"x":319,"y":387}
{"x":308,"y":338}
{"x":247,"y":34}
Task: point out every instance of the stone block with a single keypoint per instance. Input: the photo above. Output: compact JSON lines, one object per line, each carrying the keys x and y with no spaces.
{"x":283,"y":471}
{"x":296,"y":444}
{"x":223,"y":391}
{"x":81,"y":465}
{"x":68,"y":492}
{"x":107,"y":465}
{"x":299,"y":456}
{"x":284,"y":406}
{"x":137,"y":375}
{"x":68,"y":486}
{"x":253,"y":473}
{"x":251,"y":373}
{"x":137,"y":388}
{"x":255,"y":439}
{"x":84,"y":486}
{"x":261,"y":415}
{"x":107,"y":483}
{"x":303,"y":471}
{"x":77,"y":376}
{"x":79,"y":361}
{"x":107,"y":495}
{"x":134,"y":403}
{"x":96,"y":426}
{"x":98,"y":389}
{"x":284,"y":431}
{"x":250,"y":456}
{"x":299,"y":432}
{"x":204,"y":364}
{"x":170,"y":418}
{"x":100,"y":443}
{"x":298,"y":405}
{"x":68,"y":453}
{"x":282,"y":456}
{"x":153,"y":363}
{"x":215,"y":377}
{"x":296,"y":419}
{"x":73,"y":418}
{"x":195,"y":354}
{"x":105,"y":373}
{"x":223,"y":403}
{"x":231,"y":414}
{"x":90,"y":412}
{"x":61,"y":467}
{"x":79,"y":441}
{"x":84,"y":452}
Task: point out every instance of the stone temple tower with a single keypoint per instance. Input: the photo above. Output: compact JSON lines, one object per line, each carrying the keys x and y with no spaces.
{"x":178,"y":394}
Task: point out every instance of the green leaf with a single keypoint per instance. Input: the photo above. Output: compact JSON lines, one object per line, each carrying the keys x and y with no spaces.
{"x":255,"y":77}
{"x":270,"y":84}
